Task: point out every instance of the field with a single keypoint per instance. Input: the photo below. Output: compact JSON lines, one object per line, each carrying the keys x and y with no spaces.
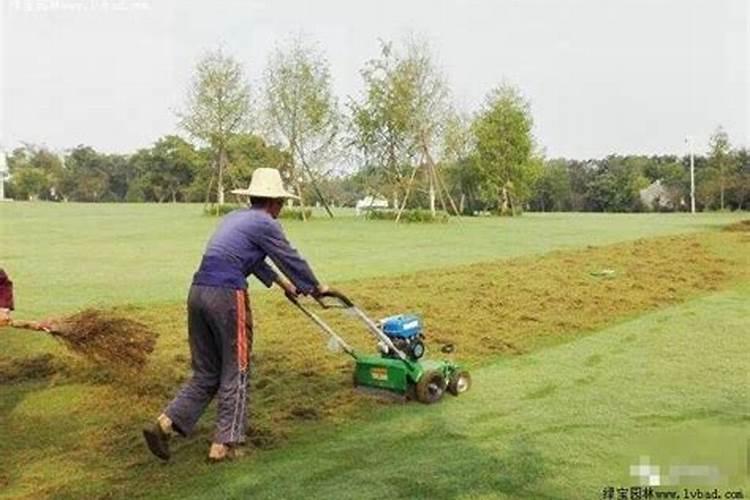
{"x":576,"y":376}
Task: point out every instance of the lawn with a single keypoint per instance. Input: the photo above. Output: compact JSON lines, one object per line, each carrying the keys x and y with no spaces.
{"x":67,"y":256}
{"x":576,"y":377}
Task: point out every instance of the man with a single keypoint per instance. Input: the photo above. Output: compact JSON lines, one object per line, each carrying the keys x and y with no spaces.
{"x":219,"y":320}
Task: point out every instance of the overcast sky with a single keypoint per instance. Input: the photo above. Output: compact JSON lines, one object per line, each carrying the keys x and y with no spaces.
{"x":603,"y":76}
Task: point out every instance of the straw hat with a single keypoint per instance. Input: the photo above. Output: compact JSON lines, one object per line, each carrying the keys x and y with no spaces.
{"x":266,"y":183}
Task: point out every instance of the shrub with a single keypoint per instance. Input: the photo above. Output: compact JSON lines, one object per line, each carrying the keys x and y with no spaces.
{"x":286,"y":213}
{"x":220,"y":210}
{"x":416,"y":215}
{"x":295,"y":213}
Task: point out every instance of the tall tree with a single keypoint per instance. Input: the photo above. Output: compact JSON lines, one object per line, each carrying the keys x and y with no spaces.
{"x":302,"y":109}
{"x":504,"y":147}
{"x":720,"y":158}
{"x":217,"y":108}
{"x":399,"y":122}
{"x":380,"y":124}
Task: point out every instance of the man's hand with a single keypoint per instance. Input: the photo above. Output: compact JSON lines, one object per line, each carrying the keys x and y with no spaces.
{"x":320,"y":290}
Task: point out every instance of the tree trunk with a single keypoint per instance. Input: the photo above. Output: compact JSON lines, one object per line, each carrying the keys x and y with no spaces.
{"x":461,"y":202}
{"x":432,"y":192}
{"x":220,"y":180}
{"x":298,"y":187}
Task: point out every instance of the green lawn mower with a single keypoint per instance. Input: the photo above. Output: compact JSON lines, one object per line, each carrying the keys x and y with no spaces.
{"x":398,"y":368}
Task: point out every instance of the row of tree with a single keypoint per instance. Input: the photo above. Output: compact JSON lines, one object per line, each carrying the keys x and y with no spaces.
{"x":401,"y":139}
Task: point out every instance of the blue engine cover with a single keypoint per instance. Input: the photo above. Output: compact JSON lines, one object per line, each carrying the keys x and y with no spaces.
{"x":402,"y":325}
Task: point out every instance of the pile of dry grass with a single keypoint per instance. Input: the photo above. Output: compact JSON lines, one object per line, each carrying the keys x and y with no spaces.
{"x":105,"y":337}
{"x":741,"y":226}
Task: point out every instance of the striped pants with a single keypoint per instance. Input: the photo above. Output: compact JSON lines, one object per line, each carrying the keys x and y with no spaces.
{"x":220,"y":335}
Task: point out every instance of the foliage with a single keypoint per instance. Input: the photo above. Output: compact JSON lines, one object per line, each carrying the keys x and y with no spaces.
{"x":216,"y":210}
{"x":719,"y":161}
{"x":398,"y":120}
{"x":552,"y":190}
{"x":217,"y":108}
{"x":296,"y":213}
{"x":165,"y":170}
{"x":505,"y":147}
{"x":414,"y":215}
{"x":302,"y":110}
{"x":35,"y":173}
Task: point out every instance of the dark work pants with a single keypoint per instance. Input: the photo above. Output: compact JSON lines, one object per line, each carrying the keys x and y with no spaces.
{"x":220,"y":336}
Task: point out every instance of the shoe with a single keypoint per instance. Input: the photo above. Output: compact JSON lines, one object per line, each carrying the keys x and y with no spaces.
{"x":157,"y":440}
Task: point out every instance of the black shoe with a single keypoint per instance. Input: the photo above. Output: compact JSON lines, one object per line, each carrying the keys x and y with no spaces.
{"x":157,"y":441}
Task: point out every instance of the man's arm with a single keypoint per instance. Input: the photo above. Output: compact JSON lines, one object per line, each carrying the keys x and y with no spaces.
{"x":287,"y":259}
{"x":268,"y":277}
{"x":265,"y":274}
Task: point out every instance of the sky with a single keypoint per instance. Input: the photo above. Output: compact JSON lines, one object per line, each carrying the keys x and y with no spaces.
{"x":602,"y":76}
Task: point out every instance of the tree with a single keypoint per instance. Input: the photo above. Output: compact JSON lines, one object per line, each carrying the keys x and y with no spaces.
{"x":380,"y":125}
{"x":86,"y":177}
{"x":246,"y":152}
{"x":398,"y":123}
{"x":165,"y":170}
{"x":615,"y":185}
{"x":35,"y":172}
{"x":217,"y":108}
{"x":504,"y":147}
{"x":719,"y":159}
{"x":459,"y":157}
{"x":552,"y":189}
{"x":740,"y":180}
{"x":302,"y":110}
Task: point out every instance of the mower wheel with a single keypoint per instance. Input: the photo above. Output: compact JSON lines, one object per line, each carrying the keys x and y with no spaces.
{"x":430,"y":387}
{"x":459,"y":383}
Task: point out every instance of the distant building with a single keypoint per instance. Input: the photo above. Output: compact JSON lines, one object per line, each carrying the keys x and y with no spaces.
{"x":657,"y":196}
{"x":370,"y":203}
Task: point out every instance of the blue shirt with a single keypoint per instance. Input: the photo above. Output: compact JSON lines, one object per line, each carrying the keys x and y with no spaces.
{"x":239,"y":247}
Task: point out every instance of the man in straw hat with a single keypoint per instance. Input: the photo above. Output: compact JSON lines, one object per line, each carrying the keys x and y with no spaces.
{"x":219,"y":320}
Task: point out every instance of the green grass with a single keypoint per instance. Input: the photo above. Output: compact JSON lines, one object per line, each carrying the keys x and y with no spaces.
{"x":67,"y":256}
{"x":563,"y":421}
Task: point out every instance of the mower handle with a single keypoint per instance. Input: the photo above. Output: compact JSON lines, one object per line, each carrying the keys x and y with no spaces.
{"x":343,"y":299}
{"x":334,"y":294}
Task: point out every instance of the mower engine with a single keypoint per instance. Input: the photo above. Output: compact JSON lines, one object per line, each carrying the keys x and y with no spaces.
{"x":405,"y":331}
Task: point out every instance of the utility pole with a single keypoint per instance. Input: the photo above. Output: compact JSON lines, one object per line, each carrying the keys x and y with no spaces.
{"x":689,"y":142}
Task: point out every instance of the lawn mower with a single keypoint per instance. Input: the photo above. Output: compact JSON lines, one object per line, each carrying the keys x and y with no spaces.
{"x":398,"y":368}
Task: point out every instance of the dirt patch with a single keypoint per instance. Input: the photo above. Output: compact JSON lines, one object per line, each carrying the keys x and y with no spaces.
{"x":106,"y":337}
{"x":741,"y":226}
{"x":34,"y":368}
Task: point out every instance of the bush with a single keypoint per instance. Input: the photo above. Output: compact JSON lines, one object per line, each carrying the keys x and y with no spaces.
{"x":295,"y":213}
{"x":417,"y":215}
{"x":221,"y":210}
{"x":286,"y":213}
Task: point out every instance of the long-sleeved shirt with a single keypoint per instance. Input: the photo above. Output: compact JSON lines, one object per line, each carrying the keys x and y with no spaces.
{"x":239,"y":247}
